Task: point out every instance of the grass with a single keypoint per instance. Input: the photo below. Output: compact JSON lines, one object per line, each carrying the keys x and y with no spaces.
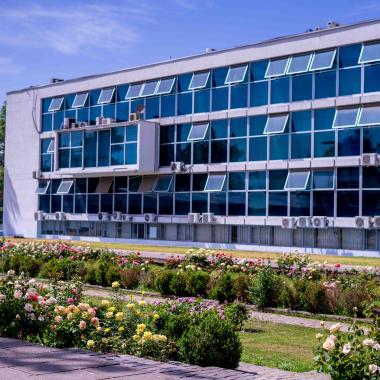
{"x":280,"y":346}
{"x":362,"y":261}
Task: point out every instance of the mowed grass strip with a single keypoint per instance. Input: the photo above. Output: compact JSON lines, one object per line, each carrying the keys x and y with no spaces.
{"x":280,"y":346}
{"x":330,"y":259}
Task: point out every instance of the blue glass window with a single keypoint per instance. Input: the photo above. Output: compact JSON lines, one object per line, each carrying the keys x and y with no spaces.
{"x":324,"y":144}
{"x":236,"y":204}
{"x":371,"y":140}
{"x":278,"y":147}
{"x":301,"y":145}
{"x":134,"y":203}
{"x":202,"y":101}
{"x":121,"y":184}
{"x":325,"y":84}
{"x":182,"y":182}
{"x":106,"y":203}
{"x":347,"y":203}
{"x":257,"y":203}
{"x":80,"y":204}
{"x":239,"y":96}
{"x":258,"y":149}
{"x":131,"y":133}
{"x":257,"y":125}
{"x":184,"y":104}
{"x":300,"y":203}
{"x":371,"y":178}
{"x":183,"y":131}
{"x":120,"y":203}
{"x":182,"y":203}
{"x":152,"y":106}
{"x":301,"y":121}
{"x":165,"y":204}
{"x":130,"y":154}
{"x":372,"y":78}
{"x":94,"y":113}
{"x":83,"y":115}
{"x":104,"y":148}
{"x":167,"y":105}
{"x":279,"y":90}
{"x":56,"y":203}
{"x":258,"y":70}
{"x":219,"y":129}
{"x":238,"y":150}
{"x":218,"y":203}
{"x":349,"y":81}
{"x":259,"y":94}
{"x":302,"y":87}
{"x":199,"y":202}
{"x":167,"y":134}
{"x":184,"y":82}
{"x":90,"y":138}
{"x":150,"y":203}
{"x":58,"y":120}
{"x":323,"y":118}
{"x":200,"y":152}
{"x":323,"y":203}
{"x":121,"y":92}
{"x":371,"y":203}
{"x":199,"y":181}
{"x":220,"y":99}
{"x":218,"y":151}
{"x":93,"y":203}
{"x":349,"y":142}
{"x":323,"y":179}
{"x":236,"y":181}
{"x":47,"y":120}
{"x":278,"y":204}
{"x":277,"y":179}
{"x":257,"y":180}
{"x":117,"y":154}
{"x":219,"y":76}
{"x":348,"y":178}
{"x":166,"y":155}
{"x":44,"y":203}
{"x":238,"y":127}
{"x":183,"y":153}
{"x":349,"y":55}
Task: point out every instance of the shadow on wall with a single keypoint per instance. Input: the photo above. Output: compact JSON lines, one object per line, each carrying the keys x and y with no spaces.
{"x":11,"y":208}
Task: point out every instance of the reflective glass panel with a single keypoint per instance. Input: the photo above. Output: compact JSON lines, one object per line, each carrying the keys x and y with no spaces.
{"x":257,"y":180}
{"x":299,"y":64}
{"x":56,"y":104}
{"x":198,"y":132}
{"x":325,"y":84}
{"x":371,"y":140}
{"x":345,"y":117}
{"x":300,"y":203}
{"x":279,"y":147}
{"x":349,"y":81}
{"x":370,"y":53}
{"x":348,"y":178}
{"x":163,"y":184}
{"x":372,"y":78}
{"x":149,"y":88}
{"x":215,"y":182}
{"x":80,"y":100}
{"x":297,"y":180}
{"x":258,"y":148}
{"x":236,"y":181}
{"x":259,"y":94}
{"x":323,"y":179}
{"x":236,"y":204}
{"x":64,"y":187}
{"x":277,"y":67}
{"x":238,"y":150}
{"x":323,"y":203}
{"x":279,"y":90}
{"x":369,"y":116}
{"x":323,"y":60}
{"x":347,"y":203}
{"x":278,"y":204}
{"x":106,"y":95}
{"x":236,"y":74}
{"x":371,"y":203}
{"x":276,"y":124}
{"x":42,"y":187}
{"x":371,"y":178}
{"x":301,"y":145}
{"x":349,"y":142}
{"x":257,"y":203}
{"x":134,"y":90}
{"x":199,"y":80}
{"x":165,"y":86}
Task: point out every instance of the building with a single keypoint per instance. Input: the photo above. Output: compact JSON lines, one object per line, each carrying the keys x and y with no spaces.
{"x":267,"y":146}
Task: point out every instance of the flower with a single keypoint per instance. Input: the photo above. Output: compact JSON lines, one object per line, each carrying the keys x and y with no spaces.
{"x":105,"y":302}
{"x":115,"y":284}
{"x":147,"y":335}
{"x":94,"y":321}
{"x":104,"y":340}
{"x":156,"y":316}
{"x":58,"y":319}
{"x":17,"y":294}
{"x":90,"y":344}
{"x":70,"y":316}
{"x":130,"y":305}
{"x":372,"y":368}
{"x":328,"y":344}
{"x":369,"y":342}
{"x":109,"y":314}
{"x":82,"y":325}
{"x":376,"y":347}
{"x":112,"y":309}
{"x":121,"y":329}
{"x":119,"y":316}
{"x":346,"y":348}
{"x":335,"y":328}
{"x":319,"y":336}
{"x":142,"y":303}
{"x":28,"y":307}
{"x":136,"y":337}
{"x":140,"y":328}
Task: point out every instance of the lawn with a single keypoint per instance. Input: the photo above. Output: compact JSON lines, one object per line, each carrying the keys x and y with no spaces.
{"x":279,"y":346}
{"x":363,"y":261}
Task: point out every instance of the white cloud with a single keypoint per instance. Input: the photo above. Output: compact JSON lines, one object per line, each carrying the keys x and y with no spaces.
{"x":8,"y":67}
{"x":74,"y":29}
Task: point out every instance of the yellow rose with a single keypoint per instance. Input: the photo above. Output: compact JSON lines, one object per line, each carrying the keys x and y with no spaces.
{"x":116,"y":284}
{"x":136,"y":337}
{"x":107,"y":330}
{"x":121,"y":329}
{"x":112,"y":309}
{"x":70,"y":316}
{"x":58,"y":319}
{"x":98,"y":329}
{"x":104,"y":340}
{"x":90,"y":344}
{"x":140,"y":328}
{"x":147,"y":335}
{"x":105,"y":302}
{"x":109,"y":314}
{"x":142,"y":303}
{"x":130,"y":305}
{"x":156,"y":316}
{"x":119,"y":316}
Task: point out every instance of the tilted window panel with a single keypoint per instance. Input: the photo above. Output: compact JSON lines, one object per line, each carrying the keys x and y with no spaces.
{"x":165,"y":86}
{"x":42,"y":187}
{"x":199,"y":80}
{"x":51,"y":147}
{"x":106,"y":95}
{"x":56,"y":104}
{"x":80,"y":100}
{"x":149,"y":88}
{"x":299,"y":64}
{"x":134,"y":90}
{"x":369,"y":116}
{"x":65,"y":186}
{"x":277,"y":67}
{"x":275,"y":124}
{"x":323,"y":60}
{"x":215,"y":182}
{"x":236,"y":74}
{"x":163,"y":184}
{"x":297,"y":180}
{"x":370,"y":53}
{"x":198,"y":132}
{"x":346,"y":117}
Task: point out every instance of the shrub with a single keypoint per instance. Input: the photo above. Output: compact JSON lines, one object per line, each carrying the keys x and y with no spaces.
{"x":62,"y":269}
{"x":178,"y":284}
{"x":196,"y":282}
{"x":212,"y":341}
{"x":288,"y":296}
{"x":237,"y":313}
{"x":223,"y":288}
{"x":262,"y":289}
{"x":312,"y":296}
{"x":162,"y":281}
{"x":241,"y":283}
{"x":130,"y":278}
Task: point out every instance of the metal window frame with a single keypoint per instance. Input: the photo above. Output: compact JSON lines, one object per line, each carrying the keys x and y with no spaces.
{"x":129,"y":89}
{"x":110,"y":98}
{"x":56,"y":108}
{"x":51,"y":149}
{"x":143,"y":88}
{"x":297,"y":188}
{"x":361,"y":54}
{"x":277,"y":132}
{"x":359,"y":124}
{"x":165,"y":92}
{"x":215,"y":175}
{"x":204,"y":134}
{"x":323,"y":67}
{"x":324,"y":188}
{"x":83,"y":103}
{"x":236,"y":81}
{"x":191,"y":87}
{"x":46,"y":189}
{"x":59,"y":191}
{"x":299,"y":71}
{"x":358,"y":114}
{"x":157,"y":181}
{"x":277,"y":75}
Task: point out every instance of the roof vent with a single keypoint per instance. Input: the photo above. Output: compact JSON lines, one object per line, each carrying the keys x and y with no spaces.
{"x":332,"y":24}
{"x":55,"y":80}
{"x":209,"y":50}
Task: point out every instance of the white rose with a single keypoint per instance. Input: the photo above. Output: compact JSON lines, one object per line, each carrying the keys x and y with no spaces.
{"x":346,"y":348}
{"x":369,"y":342}
{"x":335,"y":328}
{"x":328,"y":344}
{"x":372,"y":368}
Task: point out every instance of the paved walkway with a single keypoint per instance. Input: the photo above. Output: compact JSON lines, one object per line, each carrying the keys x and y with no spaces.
{"x":21,"y":360}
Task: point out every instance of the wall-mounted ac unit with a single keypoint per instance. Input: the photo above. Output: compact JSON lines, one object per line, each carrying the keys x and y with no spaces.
{"x":194,"y":217}
{"x":150,"y":218}
{"x":370,"y":159}
{"x":127,"y":218}
{"x":177,"y":167}
{"x":36,"y":174}
{"x":117,"y":215}
{"x":304,"y":222}
{"x":104,"y":216}
{"x":99,"y":120}
{"x":208,"y":217}
{"x":108,"y":120}
{"x":134,"y":116}
{"x":74,"y":125}
{"x":83,"y":124}
{"x":67,"y":122}
{"x":289,"y":223}
{"x":363,"y":222}
{"x":320,"y":222}
{"x":376,"y":222}
{"x":39,"y":215}
{"x":59,"y":216}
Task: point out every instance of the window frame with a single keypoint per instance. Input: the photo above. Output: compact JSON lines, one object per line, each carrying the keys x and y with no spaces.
{"x":286,"y":187}
{"x":198,"y":125}
{"x":277,"y":132}
{"x":300,"y":71}
{"x":142,"y":85}
{"x":191,"y":87}
{"x":236,"y":81}
{"x":360,"y":61}
{"x":358,"y":114}
{"x":324,"y":188}
{"x":322,"y":67}
{"x":83,"y":103}
{"x":222,"y":184}
{"x":276,"y":60}
{"x":110,"y":98}
{"x":50,"y":149}
{"x":56,"y":108}
{"x":59,"y":191}
{"x":171,"y":86}
{"x":158,"y":180}
{"x":45,"y":190}
{"x":363,"y":109}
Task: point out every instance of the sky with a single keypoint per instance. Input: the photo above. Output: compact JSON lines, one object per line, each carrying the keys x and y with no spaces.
{"x":46,"y":39}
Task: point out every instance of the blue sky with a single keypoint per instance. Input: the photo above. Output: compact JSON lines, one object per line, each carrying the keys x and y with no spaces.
{"x":66,"y":39}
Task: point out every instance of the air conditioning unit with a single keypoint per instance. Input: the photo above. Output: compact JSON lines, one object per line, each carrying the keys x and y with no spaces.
{"x":134,"y":116}
{"x":108,"y":120}
{"x":289,"y":223}
{"x":208,"y":217}
{"x":376,"y":222}
{"x":304,"y":222}
{"x":83,"y":124}
{"x":127,"y":218}
{"x":67,"y":122}
{"x":370,"y":159}
{"x":363,"y":222}
{"x":99,"y":120}
{"x":177,"y":167}
{"x":150,"y":218}
{"x":117,"y":215}
{"x":74,"y":125}
{"x":59,"y":216}
{"x":320,"y":222}
{"x":39,"y":215}
{"x":194,"y":217}
{"x":104,"y":216}
{"x":36,"y":174}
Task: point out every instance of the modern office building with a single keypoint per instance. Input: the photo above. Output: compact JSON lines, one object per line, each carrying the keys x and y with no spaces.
{"x":267,"y":146}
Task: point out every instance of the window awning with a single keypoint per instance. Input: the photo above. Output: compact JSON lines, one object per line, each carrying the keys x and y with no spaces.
{"x":149,"y":88}
{"x":299,"y":64}
{"x":165,"y":86}
{"x":134,"y":90}
{"x":369,"y":116}
{"x":80,"y":100}
{"x":370,"y":53}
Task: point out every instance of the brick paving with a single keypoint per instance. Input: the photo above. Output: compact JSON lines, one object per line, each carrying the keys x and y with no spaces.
{"x":21,"y":360}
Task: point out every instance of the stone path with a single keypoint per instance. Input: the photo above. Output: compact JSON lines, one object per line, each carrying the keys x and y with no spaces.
{"x":21,"y":360}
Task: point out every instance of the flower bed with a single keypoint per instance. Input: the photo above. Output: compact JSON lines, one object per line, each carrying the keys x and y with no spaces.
{"x":295,"y":283}
{"x":190,"y":330}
